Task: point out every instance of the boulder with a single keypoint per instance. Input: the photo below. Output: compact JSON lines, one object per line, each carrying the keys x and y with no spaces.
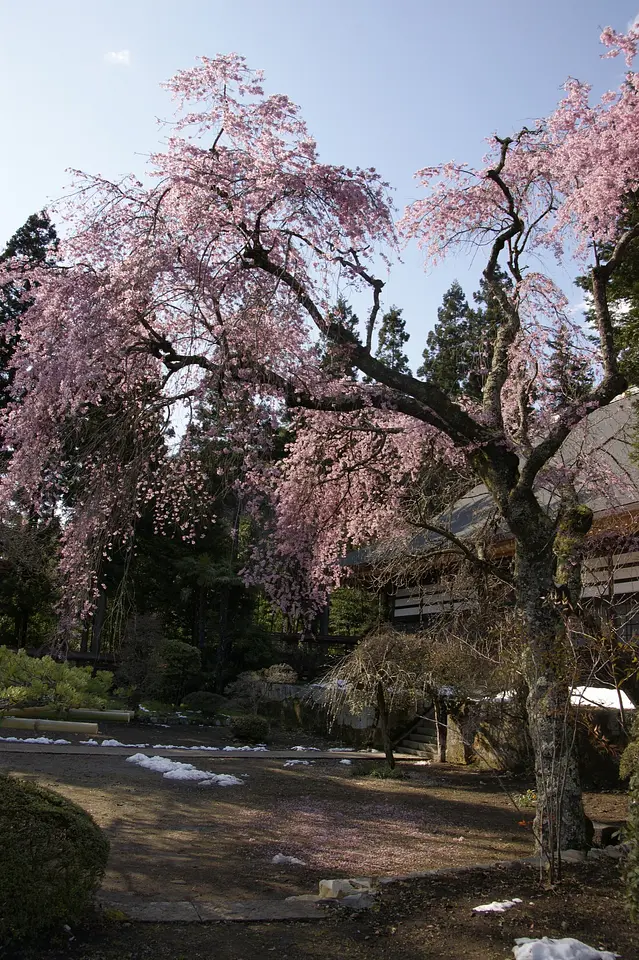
{"x":337,"y":889}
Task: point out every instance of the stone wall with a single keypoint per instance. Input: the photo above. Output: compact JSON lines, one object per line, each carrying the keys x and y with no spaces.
{"x":494,"y":734}
{"x":301,"y":706}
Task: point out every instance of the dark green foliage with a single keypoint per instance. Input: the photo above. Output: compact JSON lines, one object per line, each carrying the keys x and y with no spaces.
{"x":335,"y":360}
{"x":206,"y":703}
{"x":32,"y":245}
{"x":250,"y":728}
{"x":446,"y":357}
{"x":28,"y":588}
{"x":459,"y":349}
{"x":391,"y":339}
{"x":570,"y":373}
{"x":176,"y":670}
{"x":353,"y":611}
{"x":143,"y":637}
{"x":623,"y":297}
{"x":53,"y":858}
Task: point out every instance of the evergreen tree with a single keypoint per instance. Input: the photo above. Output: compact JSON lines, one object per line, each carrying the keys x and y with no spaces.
{"x":335,"y":360}
{"x":391,"y":339}
{"x":459,"y":349}
{"x":624,"y":297}
{"x":485,"y":320}
{"x":446,"y":357}
{"x":34,"y":244}
{"x":570,"y":374}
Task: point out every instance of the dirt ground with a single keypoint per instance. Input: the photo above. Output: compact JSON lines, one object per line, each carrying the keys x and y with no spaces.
{"x":175,"y":840}
{"x":417,"y":920}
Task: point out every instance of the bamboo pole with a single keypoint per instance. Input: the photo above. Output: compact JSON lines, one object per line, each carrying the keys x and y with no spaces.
{"x":43,"y":726}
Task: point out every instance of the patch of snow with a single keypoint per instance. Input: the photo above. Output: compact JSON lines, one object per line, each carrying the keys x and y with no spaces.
{"x":600,"y":697}
{"x":298,"y":763}
{"x":304,"y":748}
{"x":346,"y":763}
{"x":339,"y":749}
{"x":565,"y":949}
{"x":174,"y":770}
{"x":281,"y":858}
{"x":143,"y":709}
{"x":497,"y":906}
{"x":260,"y":748}
{"x":90,"y":743}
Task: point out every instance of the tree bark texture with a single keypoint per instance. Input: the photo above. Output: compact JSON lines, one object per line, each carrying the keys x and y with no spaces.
{"x":384,"y":725}
{"x":559,"y":820}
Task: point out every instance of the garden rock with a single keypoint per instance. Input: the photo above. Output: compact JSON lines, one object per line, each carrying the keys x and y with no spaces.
{"x":574,"y":856}
{"x":357,"y":901}
{"x":338,"y":889}
{"x":615,"y":853}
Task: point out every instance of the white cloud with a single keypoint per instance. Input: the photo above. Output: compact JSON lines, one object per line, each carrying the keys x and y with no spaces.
{"x":118,"y":58}
{"x":580,"y":307}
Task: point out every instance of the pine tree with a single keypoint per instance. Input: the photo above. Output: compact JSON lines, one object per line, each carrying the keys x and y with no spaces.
{"x":569,"y":374}
{"x":32,"y":245}
{"x":391,"y":339}
{"x":459,"y":349}
{"x":446,"y":357}
{"x":335,"y":361}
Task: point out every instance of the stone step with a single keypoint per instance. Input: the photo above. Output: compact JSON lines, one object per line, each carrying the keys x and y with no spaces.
{"x":418,"y":744}
{"x":412,"y":752}
{"x":426,"y":737}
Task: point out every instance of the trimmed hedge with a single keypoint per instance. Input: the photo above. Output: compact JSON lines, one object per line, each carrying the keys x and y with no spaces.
{"x":176,"y":669}
{"x":251,"y":728}
{"x":52,"y":859}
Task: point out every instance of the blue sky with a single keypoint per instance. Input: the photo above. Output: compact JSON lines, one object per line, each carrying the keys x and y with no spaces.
{"x":394,"y":84}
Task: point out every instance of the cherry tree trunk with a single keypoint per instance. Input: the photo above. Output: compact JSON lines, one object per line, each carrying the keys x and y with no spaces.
{"x":559,"y":821}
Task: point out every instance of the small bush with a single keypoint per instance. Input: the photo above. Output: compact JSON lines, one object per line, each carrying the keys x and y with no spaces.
{"x":251,"y":728}
{"x":33,"y":681}
{"x":527,"y":799}
{"x":176,"y":669}
{"x":279,"y":673}
{"x":207,"y":703}
{"x":53,"y":858}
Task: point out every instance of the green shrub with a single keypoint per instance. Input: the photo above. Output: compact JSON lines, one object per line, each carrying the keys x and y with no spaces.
{"x":176,"y":670}
{"x":27,"y":681}
{"x":207,"y":703}
{"x":630,"y":768}
{"x":53,"y":858}
{"x":251,"y":728}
